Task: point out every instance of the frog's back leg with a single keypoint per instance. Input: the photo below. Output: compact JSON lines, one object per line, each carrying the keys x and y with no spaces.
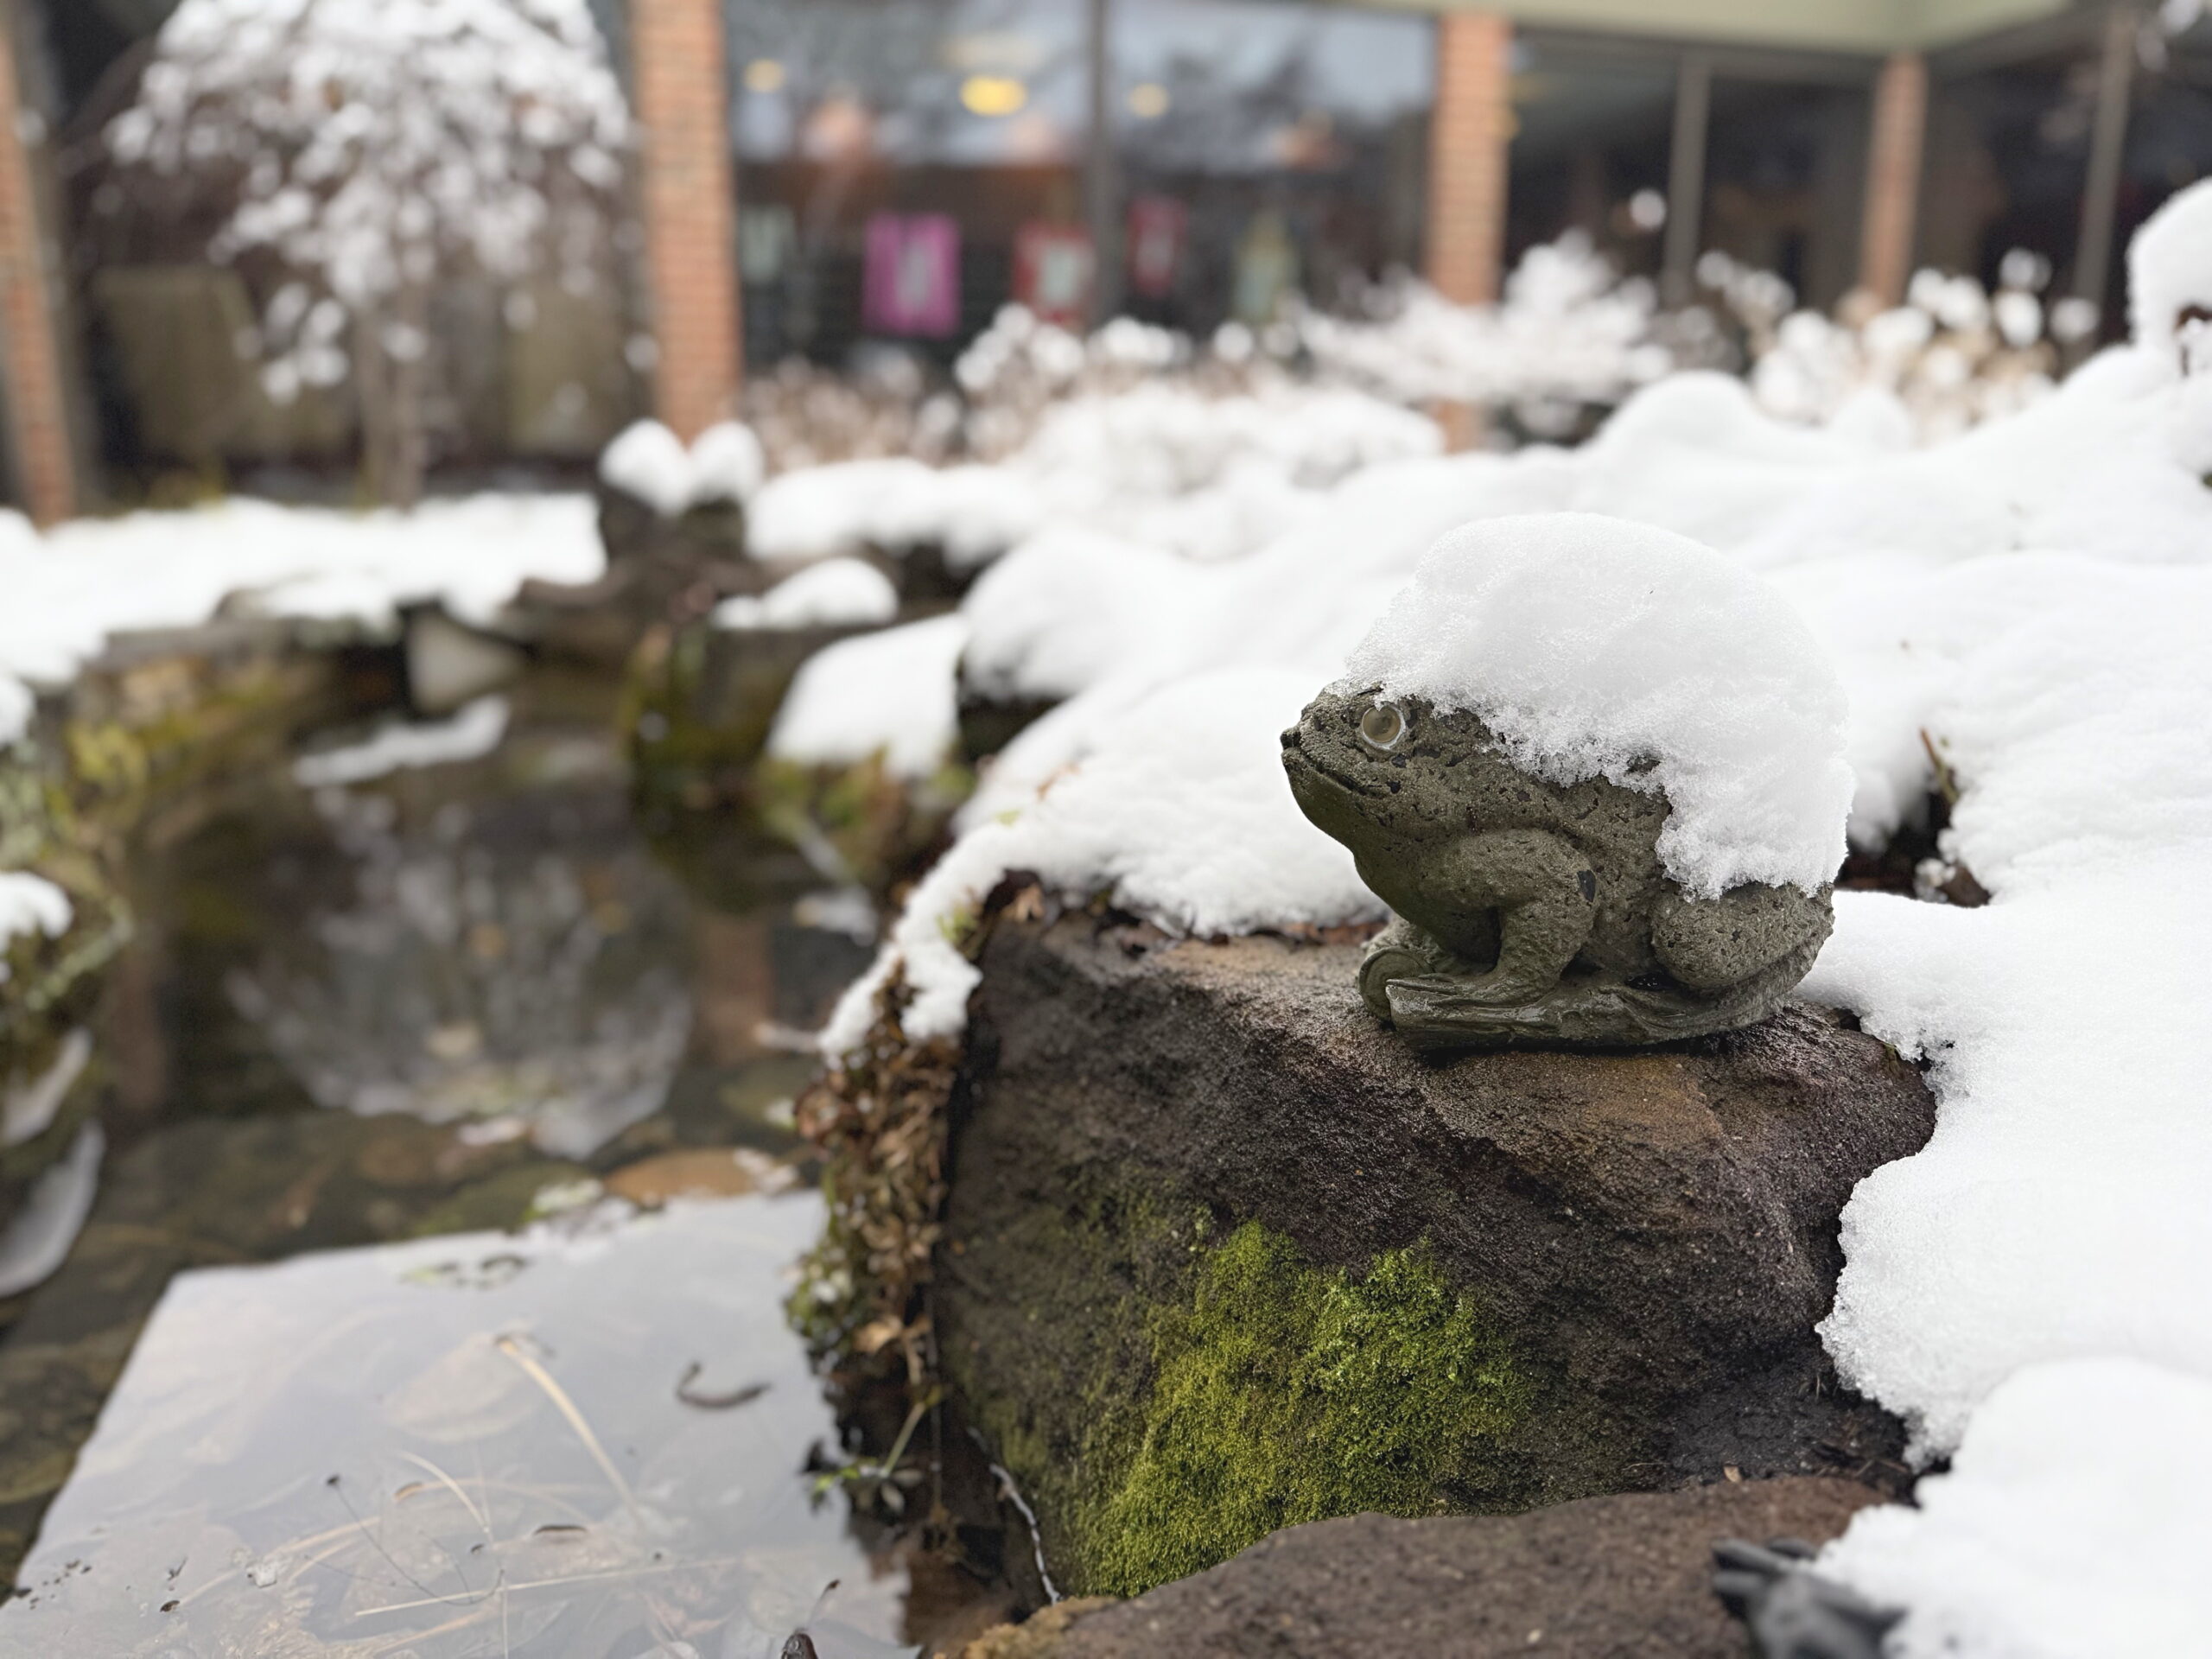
{"x":1710,"y":944}
{"x":1544,"y":895}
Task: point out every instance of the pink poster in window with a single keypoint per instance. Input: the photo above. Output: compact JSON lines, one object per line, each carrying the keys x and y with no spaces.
{"x":911,"y":282}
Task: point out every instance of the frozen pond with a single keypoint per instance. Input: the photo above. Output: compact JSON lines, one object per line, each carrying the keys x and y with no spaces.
{"x":584,"y":1440}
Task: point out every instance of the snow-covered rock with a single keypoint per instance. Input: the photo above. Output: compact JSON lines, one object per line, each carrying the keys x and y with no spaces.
{"x":835,"y":593}
{"x":649,"y":461}
{"x":887,"y":693}
{"x":70,"y":588}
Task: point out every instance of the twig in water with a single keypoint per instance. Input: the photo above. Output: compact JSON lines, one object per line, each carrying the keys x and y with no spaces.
{"x":538,"y":1374}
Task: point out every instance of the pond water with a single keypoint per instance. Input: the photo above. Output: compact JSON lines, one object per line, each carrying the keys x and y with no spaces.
{"x":291,"y":1393}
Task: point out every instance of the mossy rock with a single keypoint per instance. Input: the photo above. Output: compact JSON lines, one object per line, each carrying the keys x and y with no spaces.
{"x":1283,"y":1393}
{"x":1219,"y":1255}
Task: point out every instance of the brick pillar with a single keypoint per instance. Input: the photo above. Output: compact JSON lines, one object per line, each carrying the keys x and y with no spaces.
{"x":38,"y":415}
{"x":690,"y":208}
{"x":1469,"y":130}
{"x":1893,"y":176}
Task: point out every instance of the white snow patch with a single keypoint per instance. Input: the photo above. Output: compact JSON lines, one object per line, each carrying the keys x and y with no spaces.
{"x":890,"y":694}
{"x":2072,"y":1524}
{"x":1180,"y":811}
{"x":1594,"y":647}
{"x":37,"y":1240}
{"x":834,"y":594}
{"x":30,"y":904}
{"x":1066,"y":609}
{"x":400,"y":745}
{"x":69,"y":589}
{"x":647,"y":460}
{"x":728,"y":464}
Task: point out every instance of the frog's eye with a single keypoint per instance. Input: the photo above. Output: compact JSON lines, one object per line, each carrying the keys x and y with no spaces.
{"x":1382,"y":726}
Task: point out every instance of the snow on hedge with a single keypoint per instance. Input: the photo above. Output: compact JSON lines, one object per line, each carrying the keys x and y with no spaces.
{"x":1596,"y":648}
{"x":1569,"y":334}
{"x":71,"y":587}
{"x":835,"y":593}
{"x":1205,"y":477}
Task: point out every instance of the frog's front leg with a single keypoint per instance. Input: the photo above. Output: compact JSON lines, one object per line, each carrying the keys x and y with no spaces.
{"x":1544,"y":895}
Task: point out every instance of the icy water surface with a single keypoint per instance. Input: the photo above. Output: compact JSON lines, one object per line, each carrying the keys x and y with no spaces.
{"x":582,"y":1442}
{"x":298,"y":1391}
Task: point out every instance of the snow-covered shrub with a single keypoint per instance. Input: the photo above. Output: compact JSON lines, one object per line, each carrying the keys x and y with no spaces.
{"x":1953,"y":353}
{"x":1569,"y":336}
{"x":354,"y":156}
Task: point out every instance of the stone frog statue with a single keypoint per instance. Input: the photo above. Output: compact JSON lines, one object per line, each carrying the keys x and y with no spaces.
{"x":1529,"y":911}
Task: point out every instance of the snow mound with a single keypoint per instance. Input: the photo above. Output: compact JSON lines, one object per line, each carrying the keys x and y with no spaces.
{"x":30,"y":904}
{"x":401,"y":746}
{"x":835,"y":593}
{"x":2072,"y":1522}
{"x":889,"y":694}
{"x":1066,"y":609}
{"x":1180,"y":811}
{"x":728,"y":464}
{"x":2170,"y":269}
{"x":70,"y":589}
{"x":1598,"y":648}
{"x":647,"y":460}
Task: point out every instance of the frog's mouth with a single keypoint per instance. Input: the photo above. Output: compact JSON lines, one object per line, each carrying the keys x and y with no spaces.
{"x":1307,"y":770}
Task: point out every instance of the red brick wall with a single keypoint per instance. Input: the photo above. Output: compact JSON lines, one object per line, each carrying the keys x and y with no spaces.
{"x":1472,"y":125}
{"x":690,"y":206}
{"x":46,"y":469}
{"x":1893,"y":176}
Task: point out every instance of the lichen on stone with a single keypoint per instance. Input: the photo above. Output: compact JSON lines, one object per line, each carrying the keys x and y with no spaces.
{"x":1284,"y":1392}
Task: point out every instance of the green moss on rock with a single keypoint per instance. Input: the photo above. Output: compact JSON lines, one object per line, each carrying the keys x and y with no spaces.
{"x":1286,"y":1393}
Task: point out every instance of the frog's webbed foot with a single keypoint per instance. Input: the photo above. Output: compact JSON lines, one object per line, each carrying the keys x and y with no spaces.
{"x":1399,"y":951}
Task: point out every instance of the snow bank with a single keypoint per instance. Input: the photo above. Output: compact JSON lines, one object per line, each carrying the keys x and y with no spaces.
{"x":647,"y":460}
{"x":2071,"y":1523}
{"x":835,"y":593}
{"x":2030,"y":600}
{"x":888,"y":694}
{"x":1180,"y":809}
{"x":1067,"y":608}
{"x":30,"y":905}
{"x":400,"y":745}
{"x":1207,"y":477}
{"x":69,"y":589}
{"x":1594,"y":647}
